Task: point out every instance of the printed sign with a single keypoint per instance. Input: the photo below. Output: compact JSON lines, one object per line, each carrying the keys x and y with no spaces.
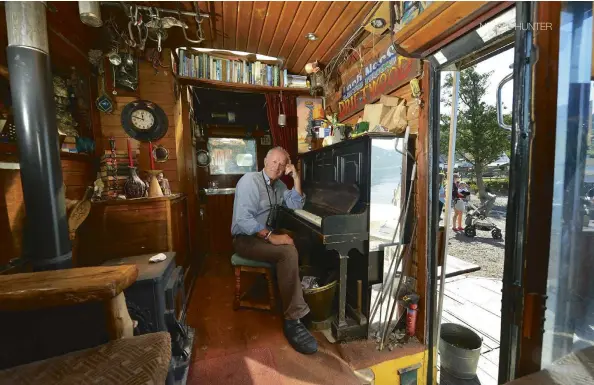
{"x":382,"y":75}
{"x":305,"y":108}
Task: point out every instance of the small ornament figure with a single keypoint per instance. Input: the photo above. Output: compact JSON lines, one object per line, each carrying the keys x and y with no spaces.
{"x":98,"y":187}
{"x":164,"y":183}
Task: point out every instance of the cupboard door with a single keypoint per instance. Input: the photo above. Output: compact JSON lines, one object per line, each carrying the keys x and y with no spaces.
{"x":219,"y":213}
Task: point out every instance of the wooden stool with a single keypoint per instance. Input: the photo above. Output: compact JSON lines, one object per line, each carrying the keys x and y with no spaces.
{"x":247,"y":265}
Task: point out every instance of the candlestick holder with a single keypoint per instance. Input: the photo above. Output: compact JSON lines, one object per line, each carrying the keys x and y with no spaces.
{"x":154,"y":188}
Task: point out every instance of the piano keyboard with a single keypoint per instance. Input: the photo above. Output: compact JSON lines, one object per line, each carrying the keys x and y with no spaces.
{"x":316,"y":220}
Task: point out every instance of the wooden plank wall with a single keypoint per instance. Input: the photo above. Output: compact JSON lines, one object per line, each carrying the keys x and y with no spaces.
{"x":157,"y":88}
{"x":77,"y":175}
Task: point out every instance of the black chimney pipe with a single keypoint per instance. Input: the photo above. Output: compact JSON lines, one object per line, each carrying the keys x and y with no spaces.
{"x":46,"y":231}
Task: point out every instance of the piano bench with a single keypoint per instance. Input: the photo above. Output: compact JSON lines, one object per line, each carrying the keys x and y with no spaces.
{"x":247,"y":265}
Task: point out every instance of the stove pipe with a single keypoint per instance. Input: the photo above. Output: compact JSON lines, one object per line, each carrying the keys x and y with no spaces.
{"x":47,"y":245}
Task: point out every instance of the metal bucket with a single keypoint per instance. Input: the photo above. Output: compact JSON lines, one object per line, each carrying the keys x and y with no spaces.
{"x":459,"y":350}
{"x":321,"y":299}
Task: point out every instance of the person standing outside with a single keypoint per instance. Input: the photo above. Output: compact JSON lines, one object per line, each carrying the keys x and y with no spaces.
{"x":459,"y":204}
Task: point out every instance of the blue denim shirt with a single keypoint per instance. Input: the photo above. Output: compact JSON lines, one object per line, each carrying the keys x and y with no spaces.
{"x":253,"y":198}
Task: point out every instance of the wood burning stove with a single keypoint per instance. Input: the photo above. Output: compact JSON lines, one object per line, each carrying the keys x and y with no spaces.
{"x":157,"y":302}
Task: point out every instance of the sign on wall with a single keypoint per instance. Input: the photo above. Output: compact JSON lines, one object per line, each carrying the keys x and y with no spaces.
{"x":383,"y":74}
{"x":305,"y":113}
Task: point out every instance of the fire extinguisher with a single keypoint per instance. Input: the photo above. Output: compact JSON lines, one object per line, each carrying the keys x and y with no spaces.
{"x":411,"y":313}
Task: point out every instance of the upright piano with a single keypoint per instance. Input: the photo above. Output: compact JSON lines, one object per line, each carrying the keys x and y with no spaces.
{"x":355,"y":191}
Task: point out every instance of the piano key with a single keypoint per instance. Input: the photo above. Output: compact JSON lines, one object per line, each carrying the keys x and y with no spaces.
{"x":312,"y":218}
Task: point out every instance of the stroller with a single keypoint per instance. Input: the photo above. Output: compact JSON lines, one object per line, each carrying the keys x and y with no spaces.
{"x":477,"y":218}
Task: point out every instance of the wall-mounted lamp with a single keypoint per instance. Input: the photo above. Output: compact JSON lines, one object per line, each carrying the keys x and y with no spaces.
{"x":378,"y":22}
{"x":90,"y":13}
{"x":311,"y":68}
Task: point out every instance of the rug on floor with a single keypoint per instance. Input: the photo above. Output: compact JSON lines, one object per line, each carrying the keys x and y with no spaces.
{"x":251,"y":367}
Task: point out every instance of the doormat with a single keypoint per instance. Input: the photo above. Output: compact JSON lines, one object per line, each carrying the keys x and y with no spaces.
{"x":252,"y":367}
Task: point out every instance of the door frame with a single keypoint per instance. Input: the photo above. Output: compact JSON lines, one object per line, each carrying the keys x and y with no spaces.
{"x":512,"y":300}
{"x":540,"y":188}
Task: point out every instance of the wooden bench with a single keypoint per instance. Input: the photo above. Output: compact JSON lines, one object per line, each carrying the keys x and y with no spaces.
{"x":125,"y":359}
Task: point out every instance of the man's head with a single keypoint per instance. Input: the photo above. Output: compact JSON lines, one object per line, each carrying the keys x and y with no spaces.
{"x":456,"y":178}
{"x":275,"y":162}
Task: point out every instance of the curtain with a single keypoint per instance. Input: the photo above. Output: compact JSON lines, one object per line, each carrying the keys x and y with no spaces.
{"x":286,"y":137}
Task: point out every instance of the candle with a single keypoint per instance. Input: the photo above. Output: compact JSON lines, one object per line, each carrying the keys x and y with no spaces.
{"x":151,"y":155}
{"x":130,"y":164}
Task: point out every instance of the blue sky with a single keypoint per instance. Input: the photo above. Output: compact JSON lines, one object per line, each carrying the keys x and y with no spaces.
{"x":500,"y":66}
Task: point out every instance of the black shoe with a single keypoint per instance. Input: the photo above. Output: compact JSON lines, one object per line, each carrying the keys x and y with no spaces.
{"x":299,"y":337}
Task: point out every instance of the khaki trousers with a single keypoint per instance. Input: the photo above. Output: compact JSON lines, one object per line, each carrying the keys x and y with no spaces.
{"x":286,"y":260}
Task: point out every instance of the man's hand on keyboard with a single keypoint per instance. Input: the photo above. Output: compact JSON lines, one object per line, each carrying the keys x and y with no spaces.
{"x":280,"y":239}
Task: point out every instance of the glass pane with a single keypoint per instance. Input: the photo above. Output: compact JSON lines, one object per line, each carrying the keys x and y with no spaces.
{"x":387,"y":192}
{"x":569,"y":323}
{"x":232,"y":156}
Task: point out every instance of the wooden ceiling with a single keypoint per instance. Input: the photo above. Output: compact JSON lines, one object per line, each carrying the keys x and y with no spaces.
{"x":277,"y":28}
{"x":273,"y":28}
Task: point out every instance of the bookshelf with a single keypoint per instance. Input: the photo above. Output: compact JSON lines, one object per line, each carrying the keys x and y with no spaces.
{"x":225,"y":86}
{"x":224,"y":70}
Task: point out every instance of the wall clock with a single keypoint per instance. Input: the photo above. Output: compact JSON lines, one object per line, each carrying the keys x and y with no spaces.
{"x":144,"y":121}
{"x":202,"y":158}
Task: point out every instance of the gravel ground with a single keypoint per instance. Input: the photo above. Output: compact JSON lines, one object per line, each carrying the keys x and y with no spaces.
{"x":482,"y":250}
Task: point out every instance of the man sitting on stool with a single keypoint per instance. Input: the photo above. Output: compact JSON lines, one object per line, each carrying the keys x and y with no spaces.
{"x":257,"y":197}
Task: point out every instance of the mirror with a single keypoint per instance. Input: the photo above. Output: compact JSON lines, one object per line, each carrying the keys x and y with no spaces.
{"x":244,"y":160}
{"x":231,"y":156}
{"x":160,"y":154}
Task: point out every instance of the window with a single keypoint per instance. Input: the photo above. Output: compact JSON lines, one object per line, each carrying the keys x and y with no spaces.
{"x":231,"y":156}
{"x":569,"y":317}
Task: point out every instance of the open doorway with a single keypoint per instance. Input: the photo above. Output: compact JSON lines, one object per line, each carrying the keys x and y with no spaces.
{"x":473,"y":234}
{"x":480,"y":125}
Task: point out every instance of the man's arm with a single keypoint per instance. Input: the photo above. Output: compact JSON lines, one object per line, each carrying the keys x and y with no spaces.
{"x":294,"y":198}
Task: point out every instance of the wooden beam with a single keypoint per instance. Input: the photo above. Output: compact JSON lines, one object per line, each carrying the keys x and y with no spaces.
{"x":422,"y":197}
{"x":540,"y":184}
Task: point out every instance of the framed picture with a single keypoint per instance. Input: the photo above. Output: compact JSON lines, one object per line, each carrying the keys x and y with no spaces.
{"x":266,"y":140}
{"x":305,"y":108}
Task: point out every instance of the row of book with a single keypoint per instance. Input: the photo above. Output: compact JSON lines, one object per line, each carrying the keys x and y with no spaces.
{"x":201,"y":65}
{"x":114,"y":171}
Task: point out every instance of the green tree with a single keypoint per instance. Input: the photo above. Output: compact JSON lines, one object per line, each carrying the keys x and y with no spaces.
{"x":479,"y":138}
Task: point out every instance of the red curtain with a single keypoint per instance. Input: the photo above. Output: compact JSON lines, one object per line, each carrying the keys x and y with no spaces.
{"x":286,"y":137}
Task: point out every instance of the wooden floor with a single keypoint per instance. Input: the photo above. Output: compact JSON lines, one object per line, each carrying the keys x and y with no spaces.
{"x":475,"y":302}
{"x":247,"y":347}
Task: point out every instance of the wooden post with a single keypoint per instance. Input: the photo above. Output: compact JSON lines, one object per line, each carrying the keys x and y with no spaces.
{"x":119,"y":323}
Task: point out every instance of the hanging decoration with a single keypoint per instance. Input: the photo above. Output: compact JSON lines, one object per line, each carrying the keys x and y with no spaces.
{"x":282,"y":118}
